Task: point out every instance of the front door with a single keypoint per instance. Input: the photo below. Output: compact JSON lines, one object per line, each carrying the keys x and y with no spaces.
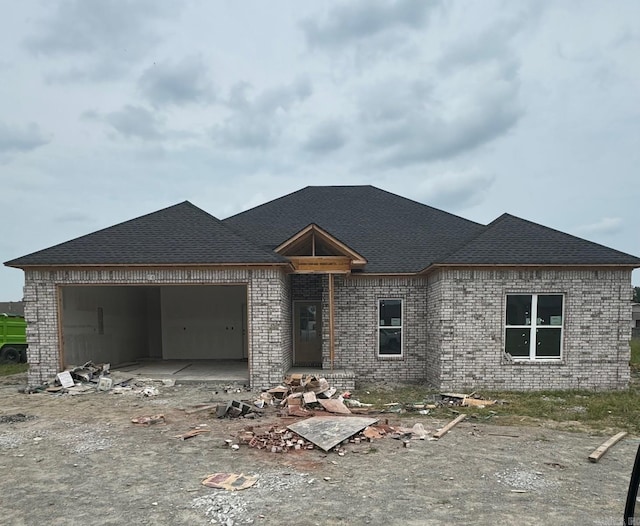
{"x":307,"y":340}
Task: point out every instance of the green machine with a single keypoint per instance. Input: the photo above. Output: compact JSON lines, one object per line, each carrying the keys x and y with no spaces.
{"x":13,"y":338}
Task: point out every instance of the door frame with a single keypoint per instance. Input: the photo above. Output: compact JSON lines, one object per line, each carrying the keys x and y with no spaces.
{"x":294,"y":304}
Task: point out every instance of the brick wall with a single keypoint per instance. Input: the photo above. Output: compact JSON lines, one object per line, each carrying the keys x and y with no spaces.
{"x":356,"y":327}
{"x":269,"y":312}
{"x":470,"y":328}
{"x":435,"y":330}
{"x":453,"y":323}
{"x":307,"y":287}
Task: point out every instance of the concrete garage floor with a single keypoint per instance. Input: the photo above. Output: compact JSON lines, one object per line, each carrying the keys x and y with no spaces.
{"x":188,"y":371}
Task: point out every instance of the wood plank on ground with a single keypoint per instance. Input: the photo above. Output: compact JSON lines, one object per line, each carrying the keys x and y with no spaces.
{"x":449,"y":426}
{"x":198,"y":409}
{"x":597,"y":454}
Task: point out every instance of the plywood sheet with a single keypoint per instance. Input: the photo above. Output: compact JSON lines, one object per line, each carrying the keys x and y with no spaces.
{"x":328,"y":431}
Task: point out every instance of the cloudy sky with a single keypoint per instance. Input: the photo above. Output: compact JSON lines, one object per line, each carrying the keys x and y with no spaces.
{"x":110,"y":109}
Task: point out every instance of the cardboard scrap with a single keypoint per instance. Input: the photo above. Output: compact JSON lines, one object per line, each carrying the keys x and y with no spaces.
{"x":476,"y":402}
{"x":229,"y":481}
{"x":309,"y":397}
{"x":65,"y":379}
{"x":296,"y":410}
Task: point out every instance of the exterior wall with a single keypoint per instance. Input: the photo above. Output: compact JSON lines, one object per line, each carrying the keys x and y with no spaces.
{"x":597,"y":315}
{"x":286,"y":312}
{"x":307,"y":287}
{"x":268,"y":304}
{"x":356,"y":328}
{"x":435,"y":330}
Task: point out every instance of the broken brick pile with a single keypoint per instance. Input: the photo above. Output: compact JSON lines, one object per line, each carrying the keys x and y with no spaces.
{"x":275,"y":439}
{"x":302,"y":393}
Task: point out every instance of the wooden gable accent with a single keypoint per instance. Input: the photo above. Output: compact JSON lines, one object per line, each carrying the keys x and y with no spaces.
{"x":314,"y":250}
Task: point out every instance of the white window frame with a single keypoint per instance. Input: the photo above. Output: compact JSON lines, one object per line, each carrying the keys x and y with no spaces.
{"x":400,"y":327}
{"x":533,"y":327}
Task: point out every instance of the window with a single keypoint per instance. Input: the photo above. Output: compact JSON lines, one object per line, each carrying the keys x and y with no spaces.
{"x":534,"y":324}
{"x":390,"y":328}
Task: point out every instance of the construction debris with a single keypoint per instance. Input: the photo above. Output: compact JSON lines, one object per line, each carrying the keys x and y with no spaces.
{"x":65,"y":379}
{"x":465,"y":400}
{"x":202,"y":407}
{"x":229,"y":481}
{"x":149,"y":420}
{"x":598,"y":453}
{"x":334,"y":406}
{"x":274,"y":439}
{"x":327,"y":432}
{"x":449,"y":426}
{"x":90,"y":377}
{"x":194,"y":432}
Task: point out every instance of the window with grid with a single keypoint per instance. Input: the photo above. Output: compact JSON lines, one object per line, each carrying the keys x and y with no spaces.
{"x":534,"y":326}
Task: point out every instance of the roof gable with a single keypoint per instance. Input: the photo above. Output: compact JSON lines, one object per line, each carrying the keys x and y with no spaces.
{"x":314,"y":241}
{"x":179,"y":234}
{"x":394,"y":234}
{"x":510,"y":240}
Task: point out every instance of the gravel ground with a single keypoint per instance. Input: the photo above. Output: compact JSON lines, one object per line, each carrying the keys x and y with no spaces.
{"x":79,"y":460}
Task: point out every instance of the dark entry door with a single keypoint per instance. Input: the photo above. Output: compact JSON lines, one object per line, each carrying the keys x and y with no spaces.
{"x":307,"y":339}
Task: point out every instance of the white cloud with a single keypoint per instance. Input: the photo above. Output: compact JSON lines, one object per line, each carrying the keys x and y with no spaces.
{"x":409,"y":122}
{"x":15,"y":138}
{"x":325,"y":137}
{"x":100,"y":40}
{"x":356,"y":20}
{"x":606,"y":225}
{"x":136,"y":122}
{"x":455,"y":190}
{"x":177,"y":83}
{"x":257,"y":123}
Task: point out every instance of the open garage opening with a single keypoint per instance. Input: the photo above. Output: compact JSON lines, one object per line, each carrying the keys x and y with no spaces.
{"x":167,"y":330}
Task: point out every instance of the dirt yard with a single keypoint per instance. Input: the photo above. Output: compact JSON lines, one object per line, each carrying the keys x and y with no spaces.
{"x":79,"y":460}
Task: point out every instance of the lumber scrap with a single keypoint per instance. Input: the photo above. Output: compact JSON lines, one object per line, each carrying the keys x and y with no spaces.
{"x":192,"y":433}
{"x":597,"y":454}
{"x":199,"y":408}
{"x":449,"y":426}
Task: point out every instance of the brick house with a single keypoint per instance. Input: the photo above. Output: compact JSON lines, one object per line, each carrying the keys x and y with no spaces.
{"x":362,"y":283}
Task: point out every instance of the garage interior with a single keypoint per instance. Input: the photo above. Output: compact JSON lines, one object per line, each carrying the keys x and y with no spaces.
{"x":164,"y":331}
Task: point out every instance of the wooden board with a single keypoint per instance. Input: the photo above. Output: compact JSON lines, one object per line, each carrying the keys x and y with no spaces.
{"x":597,"y":454}
{"x":207,"y":407}
{"x":449,"y":426}
{"x":321,"y":264}
{"x":327,"y":432}
{"x":334,"y":406}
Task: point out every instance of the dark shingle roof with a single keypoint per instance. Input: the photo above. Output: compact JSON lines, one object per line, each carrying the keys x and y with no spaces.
{"x":180,"y":234}
{"x":510,"y":240}
{"x":393,"y":233}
